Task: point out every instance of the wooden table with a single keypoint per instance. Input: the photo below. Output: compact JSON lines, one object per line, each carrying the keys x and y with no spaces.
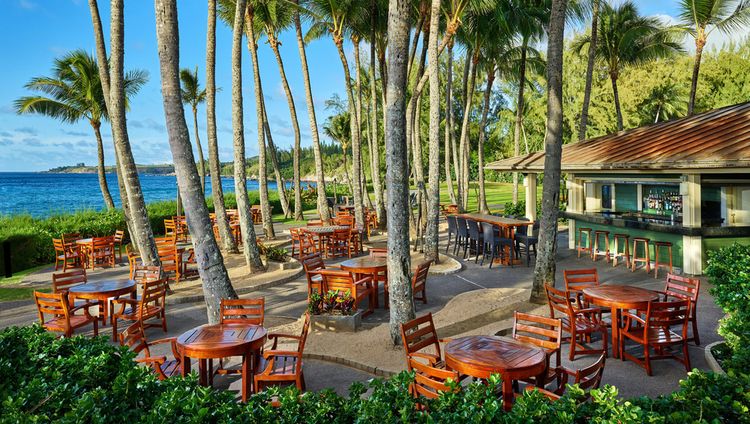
{"x":222,"y":341}
{"x":482,"y":356}
{"x":103,"y":291}
{"x":507,"y":225}
{"x":323,"y":232}
{"x":367,"y":266}
{"x":85,"y":246}
{"x":619,"y":297}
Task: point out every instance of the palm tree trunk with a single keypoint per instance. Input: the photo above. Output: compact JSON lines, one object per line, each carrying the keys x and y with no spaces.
{"x":319,"y":175}
{"x":433,"y":193}
{"x":358,"y":70}
{"x":700,"y":42}
{"x":108,"y":202}
{"x":265,"y":205}
{"x":397,"y":181}
{"x":213,"y":274}
{"x":346,"y":173}
{"x":519,"y":118}
{"x":482,"y":201}
{"x":249,"y":242}
{"x":544,"y":269}
{"x":280,"y":184}
{"x":589,"y":71}
{"x":113,"y":83}
{"x":464,"y":141}
{"x":123,"y":194}
{"x":415,"y":43}
{"x":374,"y":144}
{"x":449,"y":125}
{"x":201,"y":161}
{"x":613,"y":77}
{"x":295,"y":126}
{"x":459,"y":150}
{"x":225,"y":232}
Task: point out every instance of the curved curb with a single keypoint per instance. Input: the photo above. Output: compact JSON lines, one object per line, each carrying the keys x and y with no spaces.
{"x":378,"y":372}
{"x":711,"y":360}
{"x":457,"y":266}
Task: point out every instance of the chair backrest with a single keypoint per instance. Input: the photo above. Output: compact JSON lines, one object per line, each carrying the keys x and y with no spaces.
{"x":242,"y":311}
{"x":164,"y":241}
{"x":682,"y":287}
{"x":342,"y":234}
{"x":313,"y":262}
{"x":488,"y":232}
{"x":667,"y":314}
{"x":63,"y":281}
{"x":135,"y":339}
{"x":452,"y":227}
{"x":461,"y":227}
{"x":70,"y":238}
{"x":559,"y":301}
{"x":295,"y":234}
{"x":103,"y":243}
{"x":153,"y":292}
{"x":303,"y":336}
{"x":473,"y":227}
{"x":378,"y":252}
{"x":418,"y":334}
{"x":143,"y":273}
{"x":55,"y":304}
{"x":170,"y":227}
{"x":430,"y":382}
{"x":335,"y":280}
{"x":314,"y":223}
{"x":579,"y":279}
{"x":420,"y":274}
{"x":59,"y":246}
{"x":537,"y":330}
{"x":119,"y":236}
{"x":590,"y":377}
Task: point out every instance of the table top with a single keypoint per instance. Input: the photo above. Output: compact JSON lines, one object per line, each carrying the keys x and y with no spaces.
{"x":364,"y":264}
{"x":107,"y":287}
{"x":325,"y":229}
{"x":88,"y":240}
{"x":221,"y":340}
{"x":620,"y":296}
{"x":496,"y":220}
{"x":481,"y":356}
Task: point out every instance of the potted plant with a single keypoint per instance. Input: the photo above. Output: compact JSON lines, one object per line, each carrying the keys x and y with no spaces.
{"x":277,"y":258}
{"x":334,"y":311}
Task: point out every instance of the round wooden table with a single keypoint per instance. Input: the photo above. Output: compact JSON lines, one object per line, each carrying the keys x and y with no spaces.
{"x":103,"y":291}
{"x":323,"y":232}
{"x":367,"y":265}
{"x":618,"y":297}
{"x":222,"y":341}
{"x":482,"y":356}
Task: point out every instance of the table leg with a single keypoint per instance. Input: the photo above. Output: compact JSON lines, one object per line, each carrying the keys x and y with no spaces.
{"x":246,"y":375}
{"x":185,"y":366}
{"x":508,"y":395}
{"x":615,"y":314}
{"x":203,"y":376}
{"x":105,"y":310}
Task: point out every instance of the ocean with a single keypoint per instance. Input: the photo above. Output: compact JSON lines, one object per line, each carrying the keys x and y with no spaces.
{"x":44,"y":194}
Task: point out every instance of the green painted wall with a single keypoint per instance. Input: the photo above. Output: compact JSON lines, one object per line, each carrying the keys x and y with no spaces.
{"x":626,"y":197}
{"x":675,"y":239}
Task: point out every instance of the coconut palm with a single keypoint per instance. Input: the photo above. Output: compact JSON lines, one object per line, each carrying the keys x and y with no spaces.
{"x":433,"y":194}
{"x":665,"y":101}
{"x":74,"y":92}
{"x":627,"y":38}
{"x":701,"y":18}
{"x":338,"y":128}
{"x":193,"y":95}
{"x":589,"y":69}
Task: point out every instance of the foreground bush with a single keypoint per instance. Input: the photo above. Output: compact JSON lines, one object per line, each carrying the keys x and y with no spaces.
{"x":46,"y":379}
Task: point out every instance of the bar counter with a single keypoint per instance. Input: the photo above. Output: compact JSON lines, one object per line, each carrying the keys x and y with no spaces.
{"x":660,"y":224}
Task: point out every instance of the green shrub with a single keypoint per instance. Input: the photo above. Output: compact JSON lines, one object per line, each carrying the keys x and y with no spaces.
{"x":79,"y":379}
{"x":729,"y":271}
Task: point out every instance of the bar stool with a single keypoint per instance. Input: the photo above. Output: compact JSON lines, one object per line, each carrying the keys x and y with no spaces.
{"x":658,"y":246}
{"x":595,"y":251}
{"x":626,"y":254}
{"x":646,"y":259}
{"x":581,"y":247}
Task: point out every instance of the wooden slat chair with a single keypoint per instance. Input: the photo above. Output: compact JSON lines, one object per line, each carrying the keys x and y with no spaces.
{"x":308,"y":244}
{"x":134,"y":338}
{"x":65,"y":256}
{"x":312,"y":264}
{"x":542,"y":332}
{"x":283,"y":366}
{"x":150,"y":305}
{"x":134,"y":260}
{"x":685,"y":288}
{"x":296,"y":242}
{"x":143,"y":273}
{"x":419,"y":335}
{"x":418,"y":283}
{"x":343,"y":282}
{"x":171,"y":261}
{"x":653,"y":331}
{"x":119,"y":238}
{"x":238,"y":311}
{"x":378,"y":252}
{"x":588,"y":378}
{"x":63,"y":281}
{"x":339,"y":243}
{"x":578,"y":279}
{"x":64,"y":320}
{"x":430,"y":382}
{"x":579,"y":323}
{"x":170,"y":229}
{"x":102,"y":252}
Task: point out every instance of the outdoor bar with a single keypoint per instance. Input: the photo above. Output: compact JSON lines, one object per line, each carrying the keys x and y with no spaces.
{"x":683,"y":184}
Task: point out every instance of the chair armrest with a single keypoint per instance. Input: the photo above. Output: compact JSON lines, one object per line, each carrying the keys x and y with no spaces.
{"x":125,"y":300}
{"x":445,"y":340}
{"x":277,"y":336}
{"x":363,"y":281}
{"x":84,"y":307}
{"x":432,"y":359}
{"x":272,"y":353}
{"x":158,"y":360}
{"x":589,"y":311}
{"x":628,"y":315}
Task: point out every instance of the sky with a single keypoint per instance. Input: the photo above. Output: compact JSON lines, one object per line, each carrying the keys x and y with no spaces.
{"x":35,"y":32}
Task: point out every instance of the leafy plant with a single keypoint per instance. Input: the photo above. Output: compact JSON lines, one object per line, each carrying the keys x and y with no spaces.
{"x":277,"y":254}
{"x":332,"y":302}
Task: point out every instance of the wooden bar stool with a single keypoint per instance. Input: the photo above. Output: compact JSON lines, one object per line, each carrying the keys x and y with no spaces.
{"x":646,"y":258}
{"x":596,"y":250}
{"x":626,"y":254}
{"x":658,"y":247}
{"x":580,"y":247}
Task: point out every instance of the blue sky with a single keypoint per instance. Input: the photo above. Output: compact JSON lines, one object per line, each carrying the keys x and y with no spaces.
{"x":37,"y":31}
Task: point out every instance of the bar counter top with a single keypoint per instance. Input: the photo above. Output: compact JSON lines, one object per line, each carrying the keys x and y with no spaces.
{"x":658,"y":224}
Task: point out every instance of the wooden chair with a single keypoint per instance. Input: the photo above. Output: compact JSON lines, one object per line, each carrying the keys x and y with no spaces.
{"x":418,"y":283}
{"x":63,"y":281}
{"x":64,"y":319}
{"x":133,"y":259}
{"x":296,"y":242}
{"x":588,"y":378}
{"x":238,"y":311}
{"x":339,"y":243}
{"x":580,"y":323}
{"x":430,"y":382}
{"x":170,"y":229}
{"x":150,"y":305}
{"x":343,"y":282}
{"x":542,"y":332}
{"x":281,"y":366}
{"x":578,"y":279}
{"x":653,"y":331}
{"x":378,"y":252}
{"x":119,"y":238}
{"x":418,"y":335}
{"x":685,"y":288}
{"x":143,"y":273}
{"x":134,"y":338}
{"x":102,"y":251}
{"x":170,"y":259}
{"x":312,"y":264}
{"x":308,"y":244}
{"x":65,"y":255}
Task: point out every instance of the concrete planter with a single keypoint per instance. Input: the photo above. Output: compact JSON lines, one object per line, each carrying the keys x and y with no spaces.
{"x":337,"y":323}
{"x":281,"y":266}
{"x":711,"y":360}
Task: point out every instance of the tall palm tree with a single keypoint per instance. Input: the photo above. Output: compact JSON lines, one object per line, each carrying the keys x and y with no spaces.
{"x":112,"y":78}
{"x":701,"y":18}
{"x":665,"y":101}
{"x":227,"y":239}
{"x":544,"y":269}
{"x":589,"y":70}
{"x":193,"y":95}
{"x":338,"y":128}
{"x":74,"y":92}
{"x":627,"y":38}
{"x":433,"y":193}
{"x":448,"y":136}
{"x":213,"y":273}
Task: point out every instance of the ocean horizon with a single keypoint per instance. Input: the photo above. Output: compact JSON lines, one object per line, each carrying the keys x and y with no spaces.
{"x":43,"y":194}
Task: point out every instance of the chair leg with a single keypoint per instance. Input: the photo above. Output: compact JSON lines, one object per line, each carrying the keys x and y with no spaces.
{"x":114,"y":329}
{"x":647,"y":360}
{"x":686,"y":354}
{"x":696,"y":338}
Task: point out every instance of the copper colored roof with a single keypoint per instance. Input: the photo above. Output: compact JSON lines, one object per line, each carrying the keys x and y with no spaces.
{"x":716,"y":139}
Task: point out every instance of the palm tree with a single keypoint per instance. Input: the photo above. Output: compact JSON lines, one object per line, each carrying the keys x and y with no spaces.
{"x":338,"y":128}
{"x":627,"y":38}
{"x":433,"y":193}
{"x":701,"y":18}
{"x":544,"y":269}
{"x":213,"y":273}
{"x":111,"y":75}
{"x":228,"y":242}
{"x":193,"y":95}
{"x":448,"y":136}
{"x":665,"y":101}
{"x":589,"y":70}
{"x":74,"y":92}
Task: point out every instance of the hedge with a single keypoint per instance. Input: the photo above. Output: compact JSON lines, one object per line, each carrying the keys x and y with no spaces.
{"x":79,"y":379}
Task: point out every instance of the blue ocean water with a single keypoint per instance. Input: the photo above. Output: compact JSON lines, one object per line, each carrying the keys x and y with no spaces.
{"x":42,"y":194}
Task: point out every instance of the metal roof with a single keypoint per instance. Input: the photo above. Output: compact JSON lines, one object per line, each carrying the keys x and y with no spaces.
{"x":718,"y":139}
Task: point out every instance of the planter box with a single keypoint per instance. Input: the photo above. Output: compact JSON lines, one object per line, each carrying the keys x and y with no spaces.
{"x":337,"y":323}
{"x":280,"y":266}
{"x":711,"y":360}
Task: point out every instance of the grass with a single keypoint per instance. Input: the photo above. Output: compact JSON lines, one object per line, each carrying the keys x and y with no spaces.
{"x":18,"y":276}
{"x":18,"y":293}
{"x":498,"y":194}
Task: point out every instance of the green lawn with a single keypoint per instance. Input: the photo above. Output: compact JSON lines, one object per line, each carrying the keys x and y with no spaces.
{"x":18,"y":276}
{"x":498,"y":194}
{"x":18,"y":293}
